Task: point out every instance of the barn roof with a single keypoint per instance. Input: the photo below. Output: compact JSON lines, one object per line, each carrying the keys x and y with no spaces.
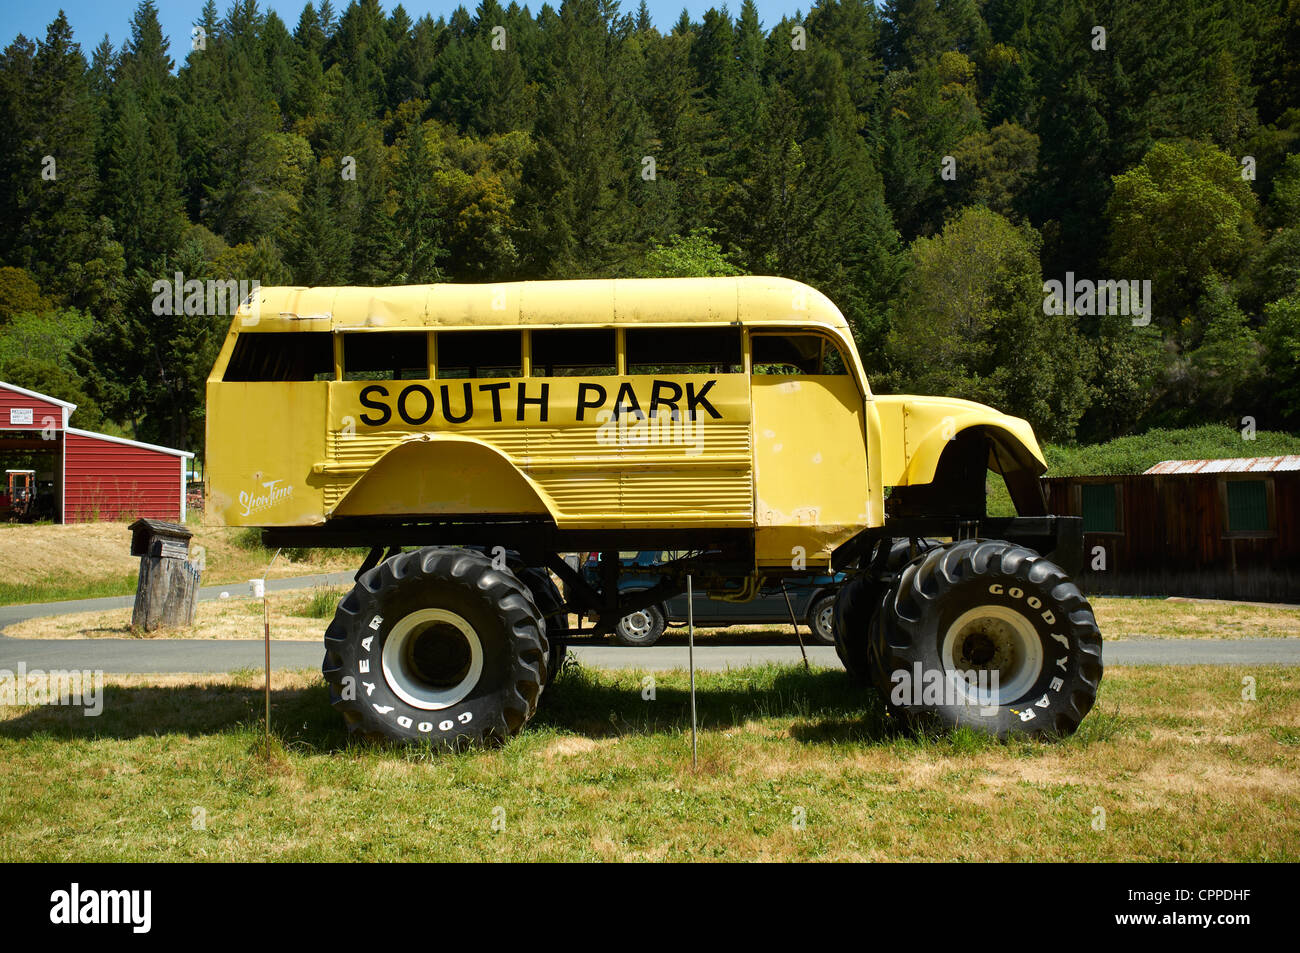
{"x":1232,"y":465}
{"x":188,"y":454}
{"x":45,"y":397}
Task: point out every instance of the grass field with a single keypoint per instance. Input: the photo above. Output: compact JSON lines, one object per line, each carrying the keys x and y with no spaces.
{"x":47,"y":562}
{"x":1182,"y":768}
{"x":303,"y":614}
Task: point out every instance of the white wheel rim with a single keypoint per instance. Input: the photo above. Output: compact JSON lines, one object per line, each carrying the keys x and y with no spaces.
{"x":1001,"y":640}
{"x":435,"y":631}
{"x":826,"y":621}
{"x":636,"y":625}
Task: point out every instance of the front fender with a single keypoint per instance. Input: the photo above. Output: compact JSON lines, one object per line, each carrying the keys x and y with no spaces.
{"x":917,"y":430}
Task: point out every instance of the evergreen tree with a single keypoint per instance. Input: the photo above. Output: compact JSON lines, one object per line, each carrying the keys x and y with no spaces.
{"x":57,"y":203}
{"x":317,"y":250}
{"x":417,"y":212}
{"x":16,"y":129}
{"x":142,"y":175}
{"x":579,"y":140}
{"x":363,"y":48}
{"x":592,"y":141}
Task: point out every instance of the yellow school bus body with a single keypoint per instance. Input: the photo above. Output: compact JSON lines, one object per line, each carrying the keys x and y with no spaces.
{"x":801,"y":460}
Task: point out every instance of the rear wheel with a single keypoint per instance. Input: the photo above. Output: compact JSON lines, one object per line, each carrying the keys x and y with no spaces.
{"x":990,"y":635}
{"x":437,"y":645}
{"x":640,"y":628}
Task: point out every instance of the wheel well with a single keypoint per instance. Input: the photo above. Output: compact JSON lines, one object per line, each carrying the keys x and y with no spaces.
{"x":958,"y":485}
{"x":444,"y":476}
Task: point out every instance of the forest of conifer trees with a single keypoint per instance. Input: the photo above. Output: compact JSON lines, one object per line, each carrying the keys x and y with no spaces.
{"x":928,"y":164}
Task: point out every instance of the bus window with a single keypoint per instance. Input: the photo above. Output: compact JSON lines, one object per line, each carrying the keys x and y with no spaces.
{"x":574,"y":353}
{"x":385,"y":356}
{"x":480,"y":354}
{"x":684,"y":351}
{"x":790,"y":354}
{"x":282,"y":356}
{"x":833,"y":360}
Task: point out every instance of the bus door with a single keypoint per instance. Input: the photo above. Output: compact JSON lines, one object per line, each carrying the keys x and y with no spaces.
{"x":810,"y":461}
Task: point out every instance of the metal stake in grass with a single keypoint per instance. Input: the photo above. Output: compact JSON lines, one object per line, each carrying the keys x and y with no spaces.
{"x":797,"y":633}
{"x":266,"y":630}
{"x":690,"y":641}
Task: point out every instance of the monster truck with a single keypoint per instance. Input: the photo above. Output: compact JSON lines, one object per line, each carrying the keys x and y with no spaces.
{"x":470,"y":435}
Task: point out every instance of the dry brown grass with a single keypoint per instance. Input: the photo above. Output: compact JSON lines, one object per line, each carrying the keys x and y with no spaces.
{"x":46,"y":559}
{"x":1119,"y":618}
{"x":1193,"y":619}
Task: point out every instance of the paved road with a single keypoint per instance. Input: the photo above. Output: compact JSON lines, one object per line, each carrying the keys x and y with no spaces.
{"x":127,"y":656}
{"x":11,"y":614}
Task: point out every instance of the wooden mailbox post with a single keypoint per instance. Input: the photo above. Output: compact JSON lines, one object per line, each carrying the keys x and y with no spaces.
{"x":169,"y":582}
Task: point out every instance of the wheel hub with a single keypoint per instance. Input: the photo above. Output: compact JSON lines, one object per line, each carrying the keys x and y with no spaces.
{"x":826,"y":621}
{"x":977,"y":648}
{"x":636,"y":625}
{"x":992,"y":647}
{"x":439,"y":655}
{"x":432,"y":658}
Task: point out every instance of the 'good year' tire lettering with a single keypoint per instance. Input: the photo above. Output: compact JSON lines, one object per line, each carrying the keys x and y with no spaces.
{"x":445,"y":725}
{"x":1033,"y":602}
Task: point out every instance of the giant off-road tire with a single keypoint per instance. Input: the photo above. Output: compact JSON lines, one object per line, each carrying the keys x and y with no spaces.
{"x":548,"y":598}
{"x":980,"y":607}
{"x":437,"y":646}
{"x":858,"y":601}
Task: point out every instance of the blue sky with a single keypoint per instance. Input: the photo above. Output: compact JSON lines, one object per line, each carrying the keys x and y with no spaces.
{"x":91,"y":19}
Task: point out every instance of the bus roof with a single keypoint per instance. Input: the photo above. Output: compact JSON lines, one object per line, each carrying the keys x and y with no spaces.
{"x":595,"y":302}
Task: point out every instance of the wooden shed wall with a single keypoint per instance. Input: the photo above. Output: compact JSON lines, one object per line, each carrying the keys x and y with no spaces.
{"x":1173,"y":538}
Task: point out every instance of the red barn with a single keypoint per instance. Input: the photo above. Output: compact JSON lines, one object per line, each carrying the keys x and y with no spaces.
{"x":83,"y":476}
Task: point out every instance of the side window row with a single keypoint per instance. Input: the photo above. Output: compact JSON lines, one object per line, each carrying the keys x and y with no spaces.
{"x":560,"y":352}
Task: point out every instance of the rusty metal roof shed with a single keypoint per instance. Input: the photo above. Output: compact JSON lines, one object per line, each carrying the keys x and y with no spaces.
{"x":1234,"y":465}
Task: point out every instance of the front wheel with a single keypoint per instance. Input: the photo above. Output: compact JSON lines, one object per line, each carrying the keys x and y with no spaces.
{"x":990,"y":635}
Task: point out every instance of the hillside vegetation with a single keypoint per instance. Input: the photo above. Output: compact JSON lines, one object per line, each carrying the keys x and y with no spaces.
{"x":1138,"y":453}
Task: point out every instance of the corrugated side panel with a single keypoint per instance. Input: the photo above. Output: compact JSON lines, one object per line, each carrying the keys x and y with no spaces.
{"x":656,"y":483}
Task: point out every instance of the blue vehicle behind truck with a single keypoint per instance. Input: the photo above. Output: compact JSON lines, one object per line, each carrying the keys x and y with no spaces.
{"x":812,"y":598}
